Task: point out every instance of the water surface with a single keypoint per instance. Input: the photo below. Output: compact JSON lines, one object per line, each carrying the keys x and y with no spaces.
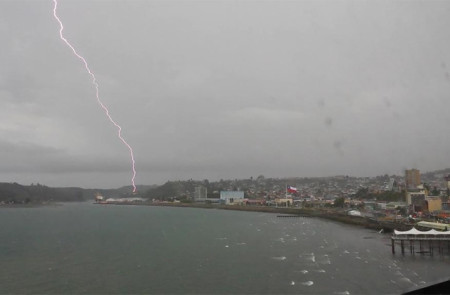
{"x":87,"y":248}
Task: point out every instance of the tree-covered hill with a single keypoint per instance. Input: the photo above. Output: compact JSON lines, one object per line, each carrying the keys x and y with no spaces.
{"x":14,"y":193}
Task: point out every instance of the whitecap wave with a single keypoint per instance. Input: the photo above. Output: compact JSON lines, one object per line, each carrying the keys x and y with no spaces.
{"x":325,"y":259}
{"x":407,"y":280}
{"x":279,"y":258}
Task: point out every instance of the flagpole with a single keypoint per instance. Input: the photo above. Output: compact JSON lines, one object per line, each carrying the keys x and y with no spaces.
{"x":286,"y":197}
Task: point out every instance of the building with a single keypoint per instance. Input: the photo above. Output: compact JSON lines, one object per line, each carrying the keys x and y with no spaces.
{"x":395,"y":205}
{"x":412,"y":195}
{"x":434,"y":204}
{"x":284,"y":202}
{"x":446,"y":206}
{"x":447,"y":181}
{"x":412,"y":178}
{"x":416,"y":200}
{"x":99,"y":198}
{"x":392,"y":186}
{"x":231,"y":197}
{"x":200,"y":193}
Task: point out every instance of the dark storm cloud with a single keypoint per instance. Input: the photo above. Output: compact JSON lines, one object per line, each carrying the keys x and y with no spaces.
{"x":223,"y":89}
{"x":29,"y":157}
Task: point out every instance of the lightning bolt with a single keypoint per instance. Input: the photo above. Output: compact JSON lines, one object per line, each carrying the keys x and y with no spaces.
{"x":102,"y":105}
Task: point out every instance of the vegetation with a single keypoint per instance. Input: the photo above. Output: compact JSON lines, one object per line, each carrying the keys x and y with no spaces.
{"x":389,"y":196}
{"x":339,"y":202}
{"x":14,"y":193}
{"x":173,"y":189}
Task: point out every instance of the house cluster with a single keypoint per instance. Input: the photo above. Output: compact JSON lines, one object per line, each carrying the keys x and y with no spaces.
{"x":416,"y":198}
{"x":421,"y":199}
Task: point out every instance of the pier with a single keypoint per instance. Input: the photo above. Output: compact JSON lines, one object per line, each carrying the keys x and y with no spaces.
{"x":422,"y":242}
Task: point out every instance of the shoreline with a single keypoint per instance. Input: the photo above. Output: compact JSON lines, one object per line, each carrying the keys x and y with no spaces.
{"x":31,"y":205}
{"x":329,"y":214}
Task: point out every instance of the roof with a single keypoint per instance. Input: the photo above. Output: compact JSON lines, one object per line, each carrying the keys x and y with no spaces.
{"x":415,"y":231}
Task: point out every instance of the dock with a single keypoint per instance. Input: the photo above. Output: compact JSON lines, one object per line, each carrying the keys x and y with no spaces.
{"x":421,"y":242}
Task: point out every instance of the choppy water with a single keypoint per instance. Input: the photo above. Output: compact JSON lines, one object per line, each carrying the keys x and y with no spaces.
{"x":86,"y":248}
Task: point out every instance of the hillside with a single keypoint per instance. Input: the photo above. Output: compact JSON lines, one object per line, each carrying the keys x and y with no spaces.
{"x":360,"y":187}
{"x":14,"y":193}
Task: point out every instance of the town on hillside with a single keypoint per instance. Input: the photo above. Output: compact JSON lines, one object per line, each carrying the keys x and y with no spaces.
{"x":406,"y":198}
{"x":396,"y":198}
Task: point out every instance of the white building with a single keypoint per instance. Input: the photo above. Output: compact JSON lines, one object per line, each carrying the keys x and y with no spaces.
{"x":231,"y":197}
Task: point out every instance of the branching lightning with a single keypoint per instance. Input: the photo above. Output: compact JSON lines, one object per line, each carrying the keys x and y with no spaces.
{"x":102,"y":105}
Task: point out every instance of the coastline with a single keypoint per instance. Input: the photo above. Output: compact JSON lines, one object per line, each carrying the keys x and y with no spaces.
{"x":31,"y":205}
{"x":325,"y":213}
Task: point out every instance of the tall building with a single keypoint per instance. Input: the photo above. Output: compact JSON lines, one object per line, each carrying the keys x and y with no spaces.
{"x":200,"y":193}
{"x":447,"y":181}
{"x":412,"y":178}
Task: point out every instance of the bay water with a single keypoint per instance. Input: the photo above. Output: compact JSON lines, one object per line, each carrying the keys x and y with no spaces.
{"x":85,"y":248}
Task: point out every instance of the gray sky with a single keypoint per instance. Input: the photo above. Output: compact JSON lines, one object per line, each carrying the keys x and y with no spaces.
{"x":223,"y":89}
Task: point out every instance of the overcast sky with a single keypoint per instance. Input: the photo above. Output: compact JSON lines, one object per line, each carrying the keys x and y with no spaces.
{"x":223,"y":89}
